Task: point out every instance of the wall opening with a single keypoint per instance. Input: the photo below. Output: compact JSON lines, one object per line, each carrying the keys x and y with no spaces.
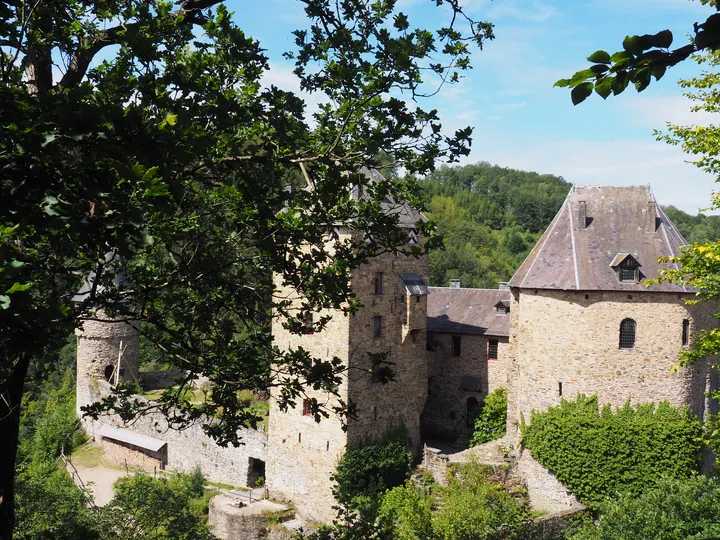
{"x":109,"y":370}
{"x":256,"y":472}
{"x":472,"y":408}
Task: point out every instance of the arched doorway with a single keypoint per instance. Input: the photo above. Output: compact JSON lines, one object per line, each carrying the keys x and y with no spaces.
{"x":472,"y":406}
{"x":109,"y":370}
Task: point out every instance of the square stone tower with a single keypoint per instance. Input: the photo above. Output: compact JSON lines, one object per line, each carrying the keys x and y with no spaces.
{"x":302,"y":452}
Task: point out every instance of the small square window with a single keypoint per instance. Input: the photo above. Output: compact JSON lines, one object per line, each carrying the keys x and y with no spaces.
{"x":377,"y":326}
{"x":456,"y":345}
{"x":378,"y":282}
{"x":628,"y":274}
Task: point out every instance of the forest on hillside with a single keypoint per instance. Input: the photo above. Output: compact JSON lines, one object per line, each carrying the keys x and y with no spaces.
{"x":491,"y":217}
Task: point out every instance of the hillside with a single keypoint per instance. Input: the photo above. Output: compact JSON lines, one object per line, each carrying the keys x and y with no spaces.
{"x":490,"y":217}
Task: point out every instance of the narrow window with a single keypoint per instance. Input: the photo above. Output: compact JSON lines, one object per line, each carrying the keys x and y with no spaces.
{"x":327,"y":446}
{"x":308,"y":323}
{"x":456,"y":345}
{"x":627,"y":334}
{"x":377,"y":326}
{"x":493,"y":349}
{"x":307,"y":407}
{"x":686,"y":331}
{"x":374,"y":410}
{"x":429,"y":345}
{"x":560,"y":389}
{"x":299,"y":437}
{"x":378,"y":282}
{"x":417,"y":299}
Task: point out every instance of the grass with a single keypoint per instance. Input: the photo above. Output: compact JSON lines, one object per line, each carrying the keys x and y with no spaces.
{"x":91,"y":455}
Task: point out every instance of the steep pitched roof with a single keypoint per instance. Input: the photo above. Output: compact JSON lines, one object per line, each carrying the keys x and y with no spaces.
{"x":407,"y":215}
{"x":594,"y":225}
{"x":467,"y":311}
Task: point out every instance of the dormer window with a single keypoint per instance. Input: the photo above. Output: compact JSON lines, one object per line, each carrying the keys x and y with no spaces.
{"x":628,"y":273}
{"x":502,"y":307}
{"x":413,"y":236}
{"x":627,"y":268}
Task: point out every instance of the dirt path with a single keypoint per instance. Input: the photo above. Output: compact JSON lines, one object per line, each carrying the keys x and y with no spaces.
{"x":99,"y":480}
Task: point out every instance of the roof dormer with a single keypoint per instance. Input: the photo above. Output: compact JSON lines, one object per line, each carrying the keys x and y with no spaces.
{"x":627,"y":268}
{"x":502,"y":307}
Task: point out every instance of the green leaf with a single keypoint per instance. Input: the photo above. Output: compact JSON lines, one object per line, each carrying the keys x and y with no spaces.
{"x":562,"y":83}
{"x":581,"y":92}
{"x":16,"y":264}
{"x":636,"y":44}
{"x":581,"y":77}
{"x":642,"y":79}
{"x":662,"y":39}
{"x":599,"y":57}
{"x":18,"y":287}
{"x":658,"y":71}
{"x":604,"y":87}
{"x":4,"y":301}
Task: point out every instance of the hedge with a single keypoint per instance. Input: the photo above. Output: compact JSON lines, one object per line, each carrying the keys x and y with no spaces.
{"x":596,"y":454}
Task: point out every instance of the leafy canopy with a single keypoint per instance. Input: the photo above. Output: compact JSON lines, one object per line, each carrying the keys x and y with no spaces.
{"x":140,"y":130}
{"x":642,"y":58}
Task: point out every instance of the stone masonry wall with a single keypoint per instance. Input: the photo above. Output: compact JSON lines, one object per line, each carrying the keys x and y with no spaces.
{"x":383,"y":407}
{"x":302,"y":453}
{"x":188,"y":448}
{"x":99,"y":344}
{"x":572,"y":338}
{"x":132,"y":456}
{"x":445,"y":413}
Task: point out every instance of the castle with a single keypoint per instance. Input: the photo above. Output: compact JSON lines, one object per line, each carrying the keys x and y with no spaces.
{"x":577,"y":317}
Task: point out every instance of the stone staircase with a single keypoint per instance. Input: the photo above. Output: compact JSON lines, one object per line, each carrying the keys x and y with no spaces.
{"x":463,"y":440}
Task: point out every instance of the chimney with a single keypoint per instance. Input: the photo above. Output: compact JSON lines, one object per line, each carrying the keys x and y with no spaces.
{"x":651,"y":221}
{"x":504,"y":285}
{"x":454,"y":283}
{"x":582,"y":215}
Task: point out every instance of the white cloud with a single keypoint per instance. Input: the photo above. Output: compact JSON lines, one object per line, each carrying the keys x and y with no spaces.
{"x":655,"y":111}
{"x":620,"y":162}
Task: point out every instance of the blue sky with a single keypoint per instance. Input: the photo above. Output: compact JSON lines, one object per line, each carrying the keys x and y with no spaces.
{"x":520,"y":120}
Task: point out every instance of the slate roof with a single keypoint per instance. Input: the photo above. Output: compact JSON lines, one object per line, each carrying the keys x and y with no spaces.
{"x":576,"y":251}
{"x":467,"y":311}
{"x":414,"y":283}
{"x":112,"y":260}
{"x":407,"y":215}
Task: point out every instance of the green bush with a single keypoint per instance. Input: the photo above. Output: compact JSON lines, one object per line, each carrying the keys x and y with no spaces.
{"x":471,"y":507}
{"x":687,"y":509}
{"x":596,"y":454}
{"x":368,"y":471}
{"x":490,"y":422}
{"x":406,"y":514}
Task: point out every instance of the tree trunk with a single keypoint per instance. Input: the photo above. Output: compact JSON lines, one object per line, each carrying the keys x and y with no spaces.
{"x":10,"y":398}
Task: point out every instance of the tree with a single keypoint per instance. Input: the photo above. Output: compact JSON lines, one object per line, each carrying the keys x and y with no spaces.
{"x":642,"y":58}
{"x":135,"y":137}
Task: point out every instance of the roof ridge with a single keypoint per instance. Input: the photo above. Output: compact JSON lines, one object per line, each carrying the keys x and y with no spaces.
{"x":465,"y":288}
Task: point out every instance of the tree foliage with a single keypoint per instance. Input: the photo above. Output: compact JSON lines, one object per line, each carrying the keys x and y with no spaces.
{"x":140,"y":130}
{"x":597,"y":453}
{"x":673,"y":509}
{"x":642,"y":58}
{"x":490,"y":218}
{"x":490,"y":422}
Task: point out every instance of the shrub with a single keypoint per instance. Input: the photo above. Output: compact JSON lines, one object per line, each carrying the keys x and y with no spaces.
{"x":490,"y":422}
{"x":596,"y":454}
{"x":406,"y":514}
{"x":472,"y":507}
{"x":687,"y":509}
{"x":370,"y":470}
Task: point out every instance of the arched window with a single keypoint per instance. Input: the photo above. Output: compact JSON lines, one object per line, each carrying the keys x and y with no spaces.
{"x":627,"y":334}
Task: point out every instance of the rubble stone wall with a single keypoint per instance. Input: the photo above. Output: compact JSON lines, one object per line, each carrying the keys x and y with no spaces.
{"x":566,"y":343}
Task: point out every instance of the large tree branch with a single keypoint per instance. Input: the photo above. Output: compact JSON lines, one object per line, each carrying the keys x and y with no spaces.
{"x":81,"y":60}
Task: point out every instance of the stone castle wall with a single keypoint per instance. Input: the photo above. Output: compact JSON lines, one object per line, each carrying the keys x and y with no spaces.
{"x":99,"y":345}
{"x":188,"y":448}
{"x":302,"y":452}
{"x":445,"y":413}
{"x":381,"y":408}
{"x":132,"y":456}
{"x":572,"y":339}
